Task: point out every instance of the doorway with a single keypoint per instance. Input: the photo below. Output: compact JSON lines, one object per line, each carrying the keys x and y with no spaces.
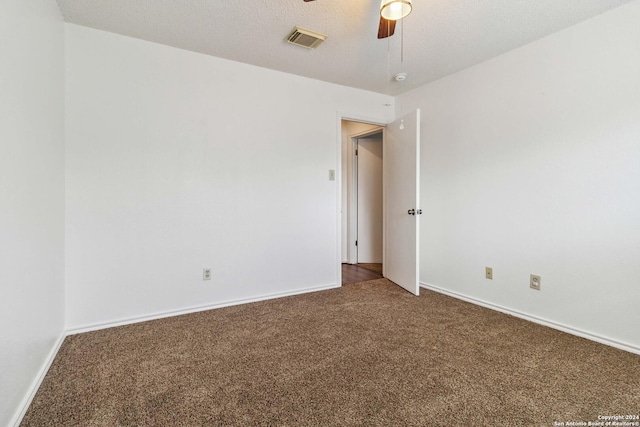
{"x":400,"y":194}
{"x":362,"y":196}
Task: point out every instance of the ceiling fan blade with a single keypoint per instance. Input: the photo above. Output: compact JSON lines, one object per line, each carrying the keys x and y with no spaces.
{"x":386,"y":28}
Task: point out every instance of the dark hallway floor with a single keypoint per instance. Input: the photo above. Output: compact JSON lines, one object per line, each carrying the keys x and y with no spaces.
{"x":352,"y":273}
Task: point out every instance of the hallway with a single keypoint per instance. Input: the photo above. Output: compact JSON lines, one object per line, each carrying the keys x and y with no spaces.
{"x":352,"y":273}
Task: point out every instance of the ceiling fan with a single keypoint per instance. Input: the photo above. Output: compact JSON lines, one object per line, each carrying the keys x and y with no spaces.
{"x":390,"y":12}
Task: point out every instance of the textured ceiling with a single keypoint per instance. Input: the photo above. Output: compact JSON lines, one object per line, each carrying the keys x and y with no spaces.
{"x":440,"y":36}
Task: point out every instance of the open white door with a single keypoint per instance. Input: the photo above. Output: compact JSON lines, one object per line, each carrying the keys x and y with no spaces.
{"x":402,"y":213}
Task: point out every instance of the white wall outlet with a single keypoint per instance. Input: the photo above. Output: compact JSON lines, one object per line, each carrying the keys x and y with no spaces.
{"x":332,"y":175}
{"x":206,"y":274}
{"x":534,"y":282}
{"x":488,"y":273}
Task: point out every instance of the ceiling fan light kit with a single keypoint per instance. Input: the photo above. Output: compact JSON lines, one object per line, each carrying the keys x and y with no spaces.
{"x":392,"y":10}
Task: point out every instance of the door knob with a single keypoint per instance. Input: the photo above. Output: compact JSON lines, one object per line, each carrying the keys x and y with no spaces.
{"x":411,"y":211}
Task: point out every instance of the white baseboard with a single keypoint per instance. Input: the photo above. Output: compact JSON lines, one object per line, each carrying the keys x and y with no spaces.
{"x":35,"y":385}
{"x":564,"y":328}
{"x":161,"y":315}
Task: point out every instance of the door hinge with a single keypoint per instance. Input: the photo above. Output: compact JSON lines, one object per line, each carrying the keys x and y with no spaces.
{"x":356,"y":151}
{"x":356,"y":243}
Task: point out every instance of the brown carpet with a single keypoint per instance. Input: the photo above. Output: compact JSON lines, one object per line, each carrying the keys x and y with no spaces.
{"x":367,"y":354}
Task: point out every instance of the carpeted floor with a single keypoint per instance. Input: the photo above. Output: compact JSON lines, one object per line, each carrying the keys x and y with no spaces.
{"x":366,"y":354}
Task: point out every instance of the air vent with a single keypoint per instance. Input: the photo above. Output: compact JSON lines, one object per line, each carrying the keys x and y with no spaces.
{"x":305,"y":38}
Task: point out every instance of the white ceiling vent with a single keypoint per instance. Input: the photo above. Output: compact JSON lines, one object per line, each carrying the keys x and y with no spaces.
{"x":305,"y":38}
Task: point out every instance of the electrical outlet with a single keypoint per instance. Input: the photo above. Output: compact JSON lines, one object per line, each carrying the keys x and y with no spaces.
{"x":488,"y":273}
{"x":534,"y":282}
{"x":206,"y":274}
{"x":332,"y":175}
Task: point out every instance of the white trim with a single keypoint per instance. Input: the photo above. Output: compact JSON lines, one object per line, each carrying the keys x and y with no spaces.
{"x":418,"y":205}
{"x":558,"y":326}
{"x":339,"y":206}
{"x":161,"y":315}
{"x":384,"y":202}
{"x":369,"y":132}
{"x":35,"y":385}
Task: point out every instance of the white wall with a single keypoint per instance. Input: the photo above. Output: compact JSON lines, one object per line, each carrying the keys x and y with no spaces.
{"x":31,"y":196}
{"x":370,"y":200}
{"x":530,"y":165}
{"x":178,"y":161}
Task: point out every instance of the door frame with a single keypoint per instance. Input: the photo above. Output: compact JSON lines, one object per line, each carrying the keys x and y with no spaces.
{"x":352,"y":194}
{"x":339,"y":179}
